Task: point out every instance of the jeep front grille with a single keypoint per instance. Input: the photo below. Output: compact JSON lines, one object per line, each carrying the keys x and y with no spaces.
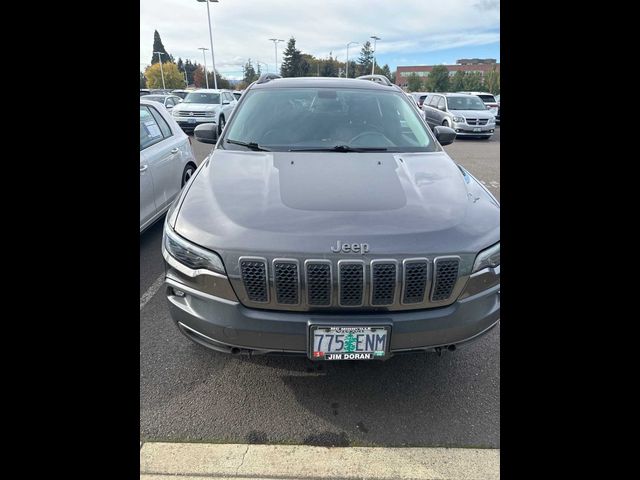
{"x":298,"y":284}
{"x":318,"y":283}
{"x":254,"y":277}
{"x":446,"y":275}
{"x":351,"y":282}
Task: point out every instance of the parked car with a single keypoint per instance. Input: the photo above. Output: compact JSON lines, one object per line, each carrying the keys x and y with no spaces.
{"x":181,"y":93}
{"x":204,"y":106}
{"x":169,"y":101}
{"x":328,"y":221}
{"x":498,"y":114}
{"x":166,"y":161}
{"x":419,"y":97}
{"x":488,"y":99}
{"x":144,"y":91}
{"x":466,"y":114}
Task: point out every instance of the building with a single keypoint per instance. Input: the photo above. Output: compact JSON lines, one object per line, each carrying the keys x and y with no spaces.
{"x":480,"y":65}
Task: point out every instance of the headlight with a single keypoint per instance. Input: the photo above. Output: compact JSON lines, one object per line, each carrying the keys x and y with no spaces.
{"x":492,"y":120}
{"x":487,"y":258}
{"x":191,"y":255}
{"x":458,"y":119}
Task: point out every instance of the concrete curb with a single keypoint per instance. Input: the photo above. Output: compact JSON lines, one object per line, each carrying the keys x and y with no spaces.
{"x":198,"y":461}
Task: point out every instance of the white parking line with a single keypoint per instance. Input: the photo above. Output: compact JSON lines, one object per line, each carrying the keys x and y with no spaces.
{"x":151,"y":291}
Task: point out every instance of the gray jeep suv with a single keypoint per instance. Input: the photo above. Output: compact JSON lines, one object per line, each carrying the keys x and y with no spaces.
{"x":328,"y":221}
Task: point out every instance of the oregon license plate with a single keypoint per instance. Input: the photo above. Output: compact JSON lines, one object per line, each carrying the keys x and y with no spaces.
{"x":192,"y":120}
{"x":348,"y":343}
{"x":476,"y":129}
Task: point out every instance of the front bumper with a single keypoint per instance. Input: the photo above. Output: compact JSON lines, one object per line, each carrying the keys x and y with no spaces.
{"x":189,"y":123}
{"x":229,"y":327}
{"x":462,"y":129}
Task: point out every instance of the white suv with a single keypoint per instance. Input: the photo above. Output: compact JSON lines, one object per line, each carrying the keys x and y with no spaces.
{"x":204,"y":106}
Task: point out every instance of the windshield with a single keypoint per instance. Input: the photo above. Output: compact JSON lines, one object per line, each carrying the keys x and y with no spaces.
{"x":487,"y":98}
{"x":468,"y":102}
{"x":339,"y":120}
{"x":196,"y":97}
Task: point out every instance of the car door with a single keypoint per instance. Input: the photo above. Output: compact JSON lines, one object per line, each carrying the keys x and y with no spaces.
{"x":440,"y":113}
{"x":164,"y":161}
{"x":429,"y":109}
{"x":148,"y":136}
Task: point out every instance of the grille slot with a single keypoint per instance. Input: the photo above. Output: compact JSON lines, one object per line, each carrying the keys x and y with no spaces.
{"x":351,"y":281}
{"x":286,"y":282}
{"x":415,"y":280}
{"x":318,"y":283}
{"x":384,"y":276}
{"x":446,"y":276}
{"x":254,"y":278}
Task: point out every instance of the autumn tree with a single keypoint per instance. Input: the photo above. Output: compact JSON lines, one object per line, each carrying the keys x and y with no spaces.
{"x":172,"y":76}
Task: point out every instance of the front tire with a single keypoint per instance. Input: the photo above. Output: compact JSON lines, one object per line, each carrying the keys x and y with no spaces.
{"x":187,"y":173}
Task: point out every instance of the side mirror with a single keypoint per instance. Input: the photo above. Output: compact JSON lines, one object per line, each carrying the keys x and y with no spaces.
{"x":206,"y":133}
{"x":226,"y":102}
{"x":444,"y":135}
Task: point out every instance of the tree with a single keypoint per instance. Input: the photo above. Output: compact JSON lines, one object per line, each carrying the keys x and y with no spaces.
{"x":457,"y":81}
{"x":438,"y":80}
{"x":159,"y":47}
{"x":414,"y":84}
{"x":180,"y":65}
{"x":492,"y":81}
{"x":172,"y":76}
{"x":329,"y":68}
{"x":198,"y":77}
{"x":143,"y":81}
{"x":386,"y":72}
{"x":249,"y":73}
{"x":473,"y":81}
{"x":365,"y":60}
{"x":353,"y":69}
{"x":291,"y":60}
{"x":222,"y":82}
{"x":350,"y":341}
{"x":393,"y":76}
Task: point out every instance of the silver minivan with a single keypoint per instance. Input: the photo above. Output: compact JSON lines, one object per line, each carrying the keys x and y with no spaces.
{"x":166,"y":161}
{"x":466,"y":114}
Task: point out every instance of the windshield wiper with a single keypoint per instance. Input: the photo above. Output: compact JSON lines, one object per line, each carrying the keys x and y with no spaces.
{"x":252,"y":145}
{"x":340,"y":148}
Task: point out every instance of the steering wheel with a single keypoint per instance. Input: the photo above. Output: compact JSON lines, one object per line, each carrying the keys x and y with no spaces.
{"x":371,"y":132}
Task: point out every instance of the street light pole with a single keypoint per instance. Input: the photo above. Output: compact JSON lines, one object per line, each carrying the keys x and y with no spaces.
{"x":206,"y":77}
{"x":161,"y":71}
{"x":373,"y":66}
{"x":350,"y":43}
{"x":213,"y":59}
{"x":275,"y":44}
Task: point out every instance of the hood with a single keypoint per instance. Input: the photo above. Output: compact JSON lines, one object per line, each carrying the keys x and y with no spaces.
{"x":294,"y":202}
{"x":197,"y":107}
{"x":473,"y":113}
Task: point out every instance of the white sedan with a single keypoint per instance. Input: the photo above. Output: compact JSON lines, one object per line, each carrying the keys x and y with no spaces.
{"x":166,"y":161}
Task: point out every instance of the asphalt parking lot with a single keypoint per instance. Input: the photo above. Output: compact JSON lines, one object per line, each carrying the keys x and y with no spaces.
{"x":188,"y":393}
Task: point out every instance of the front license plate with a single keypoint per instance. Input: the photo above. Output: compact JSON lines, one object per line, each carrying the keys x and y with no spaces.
{"x":476,"y":129}
{"x":348,"y":343}
{"x":192,"y":120}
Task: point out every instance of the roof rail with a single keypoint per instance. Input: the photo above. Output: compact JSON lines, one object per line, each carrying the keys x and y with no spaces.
{"x":376,"y":78}
{"x":266,"y":77}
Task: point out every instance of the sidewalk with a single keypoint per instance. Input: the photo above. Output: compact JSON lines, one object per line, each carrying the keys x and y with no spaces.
{"x":200,"y":461}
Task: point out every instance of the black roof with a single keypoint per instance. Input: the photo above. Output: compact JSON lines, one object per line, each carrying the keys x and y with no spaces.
{"x":320,"y":82}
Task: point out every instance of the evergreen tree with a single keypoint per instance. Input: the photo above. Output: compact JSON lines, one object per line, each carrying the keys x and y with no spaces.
{"x":329,"y":68}
{"x":457,"y":81}
{"x":438,"y":80}
{"x":159,"y":47}
{"x":353,"y":69}
{"x":249,"y":73}
{"x":365,"y":60}
{"x":180,"y":65}
{"x":291,"y":59}
{"x":386,"y":71}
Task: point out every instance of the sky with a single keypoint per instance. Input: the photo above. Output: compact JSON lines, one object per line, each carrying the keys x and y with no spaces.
{"x":412,"y":32}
